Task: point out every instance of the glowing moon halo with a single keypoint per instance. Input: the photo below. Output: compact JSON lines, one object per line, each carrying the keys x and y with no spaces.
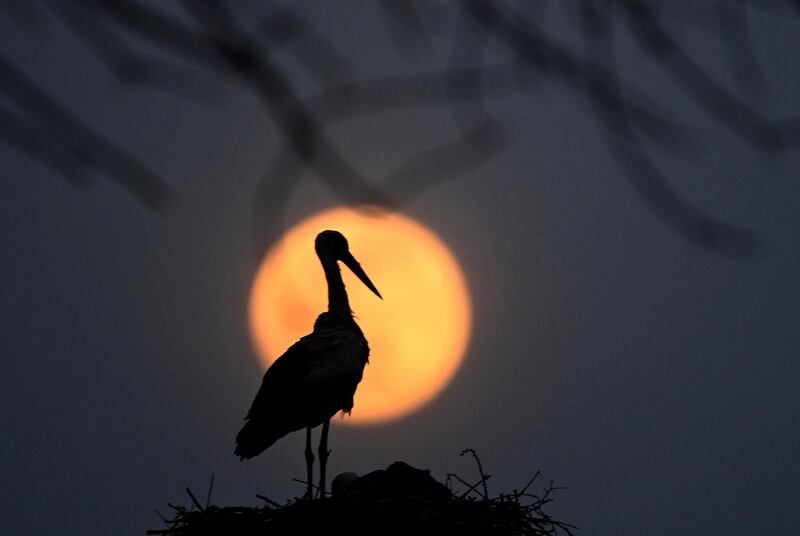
{"x":417,"y":334}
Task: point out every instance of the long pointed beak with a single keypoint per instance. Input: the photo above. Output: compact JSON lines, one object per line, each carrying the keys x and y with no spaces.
{"x":352,"y":263}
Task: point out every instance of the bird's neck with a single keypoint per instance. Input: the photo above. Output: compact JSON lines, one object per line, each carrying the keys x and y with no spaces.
{"x":338,"y":303}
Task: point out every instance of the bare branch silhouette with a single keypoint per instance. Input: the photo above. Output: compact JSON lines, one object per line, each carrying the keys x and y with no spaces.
{"x":736,"y":37}
{"x":404,"y":24}
{"x":730,"y":111}
{"x":17,"y":132}
{"x":641,"y":171}
{"x":131,"y":67}
{"x":493,"y":50}
{"x":70,"y":133}
{"x":287,"y":30}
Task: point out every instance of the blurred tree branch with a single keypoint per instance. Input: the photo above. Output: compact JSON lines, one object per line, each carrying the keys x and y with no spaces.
{"x":494,"y":49}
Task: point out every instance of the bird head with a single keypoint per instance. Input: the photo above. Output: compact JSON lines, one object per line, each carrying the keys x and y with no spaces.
{"x":333,"y":245}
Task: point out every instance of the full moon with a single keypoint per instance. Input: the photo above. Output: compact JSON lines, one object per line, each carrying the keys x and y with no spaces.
{"x":417,"y":334}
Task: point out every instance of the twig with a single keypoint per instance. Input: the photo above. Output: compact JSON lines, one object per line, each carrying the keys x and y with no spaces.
{"x":194,"y":500}
{"x":268,"y":501}
{"x":470,"y":487}
{"x":314,"y":487}
{"x":534,"y":477}
{"x":484,"y":476}
{"x":210,"y":489}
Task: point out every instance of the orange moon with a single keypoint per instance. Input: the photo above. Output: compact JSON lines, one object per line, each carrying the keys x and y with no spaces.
{"x":417,"y":334}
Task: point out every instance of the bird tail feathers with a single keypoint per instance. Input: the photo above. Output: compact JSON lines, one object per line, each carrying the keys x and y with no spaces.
{"x":254,"y":438}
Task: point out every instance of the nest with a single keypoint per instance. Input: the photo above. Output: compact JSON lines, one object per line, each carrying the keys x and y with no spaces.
{"x":397,"y":500}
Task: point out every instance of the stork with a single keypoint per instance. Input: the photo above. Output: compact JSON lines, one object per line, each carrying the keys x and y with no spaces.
{"x":318,"y":375}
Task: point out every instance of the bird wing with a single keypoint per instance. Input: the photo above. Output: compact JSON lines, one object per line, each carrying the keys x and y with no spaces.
{"x":318,"y":371}
{"x":316,"y":377}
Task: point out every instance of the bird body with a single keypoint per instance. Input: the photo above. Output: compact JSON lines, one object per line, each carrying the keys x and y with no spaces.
{"x":307,"y":385}
{"x":318,"y":375}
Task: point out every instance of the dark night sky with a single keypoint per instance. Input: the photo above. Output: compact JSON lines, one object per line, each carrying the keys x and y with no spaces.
{"x":656,"y":380}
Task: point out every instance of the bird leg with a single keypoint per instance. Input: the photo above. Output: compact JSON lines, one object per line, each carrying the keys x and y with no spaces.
{"x":323,"y":456}
{"x":309,"y":465}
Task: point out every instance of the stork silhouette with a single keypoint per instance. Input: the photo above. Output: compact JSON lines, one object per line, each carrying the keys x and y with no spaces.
{"x":318,"y":375}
